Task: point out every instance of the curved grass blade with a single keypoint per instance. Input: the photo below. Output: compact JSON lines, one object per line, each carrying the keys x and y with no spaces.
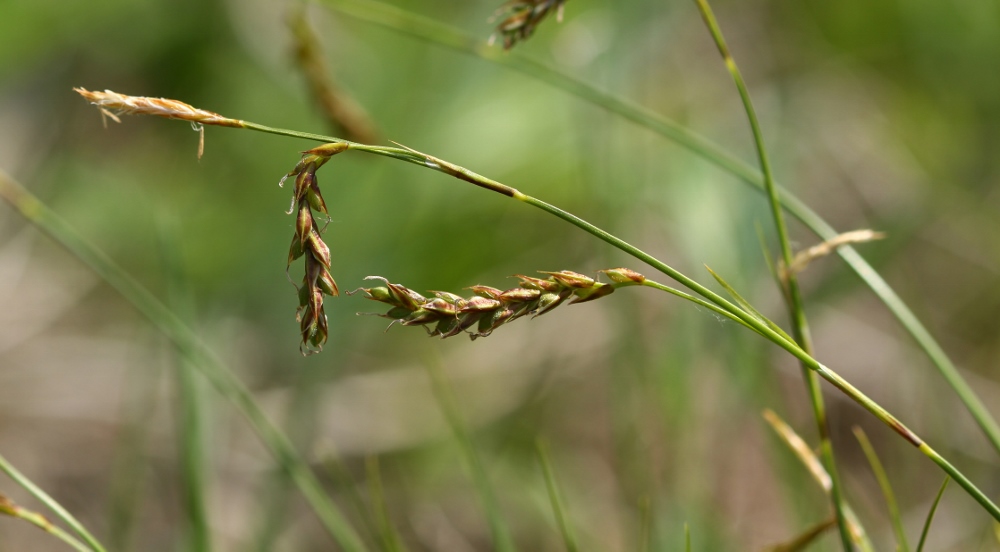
{"x":437,"y":33}
{"x":930,"y":515}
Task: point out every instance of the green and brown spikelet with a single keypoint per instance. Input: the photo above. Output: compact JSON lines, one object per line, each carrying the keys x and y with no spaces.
{"x":489,"y":307}
{"x":521,"y":17}
{"x":308,"y":243}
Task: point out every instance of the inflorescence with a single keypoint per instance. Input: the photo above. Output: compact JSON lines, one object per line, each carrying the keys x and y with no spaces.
{"x":489,"y":307}
{"x":308,"y":242}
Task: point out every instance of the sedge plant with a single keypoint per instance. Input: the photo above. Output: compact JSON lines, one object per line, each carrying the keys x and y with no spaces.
{"x":318,"y":264}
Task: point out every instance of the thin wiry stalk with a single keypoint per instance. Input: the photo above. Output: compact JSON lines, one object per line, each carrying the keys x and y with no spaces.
{"x":930,"y":516}
{"x":187,"y":342}
{"x":793,"y":295}
{"x":731,"y":311}
{"x":8,"y":508}
{"x":437,"y":33}
{"x":50,"y":502}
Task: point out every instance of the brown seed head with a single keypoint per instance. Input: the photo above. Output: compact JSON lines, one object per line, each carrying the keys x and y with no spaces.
{"x":115,"y":103}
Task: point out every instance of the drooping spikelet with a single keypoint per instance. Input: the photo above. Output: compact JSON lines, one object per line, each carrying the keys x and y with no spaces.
{"x":308,"y":242}
{"x":521,"y":17}
{"x":490,"y":307}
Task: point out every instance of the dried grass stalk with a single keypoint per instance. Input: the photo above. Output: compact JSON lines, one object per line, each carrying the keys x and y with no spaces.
{"x":804,"y":258}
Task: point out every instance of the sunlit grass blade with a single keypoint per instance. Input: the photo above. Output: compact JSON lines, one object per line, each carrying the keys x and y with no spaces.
{"x":51,"y":504}
{"x":388,"y":534}
{"x":437,"y":33}
{"x":446,"y":401}
{"x":802,"y":541}
{"x":883,"y":483}
{"x":187,"y":342}
{"x":930,"y":515}
{"x":9,"y":508}
{"x":687,"y":538}
{"x":554,"y":497}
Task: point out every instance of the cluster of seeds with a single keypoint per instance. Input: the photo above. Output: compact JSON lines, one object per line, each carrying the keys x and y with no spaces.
{"x":490,"y":307}
{"x":521,"y":17}
{"x":307,"y":242}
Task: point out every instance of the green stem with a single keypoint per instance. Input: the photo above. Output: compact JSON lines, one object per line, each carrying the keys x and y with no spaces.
{"x":440,"y":34}
{"x":187,"y":342}
{"x":793,"y":295}
{"x":461,"y":173}
{"x":50,"y":502}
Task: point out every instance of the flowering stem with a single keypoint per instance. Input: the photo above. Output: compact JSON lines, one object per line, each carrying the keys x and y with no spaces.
{"x":731,"y":310}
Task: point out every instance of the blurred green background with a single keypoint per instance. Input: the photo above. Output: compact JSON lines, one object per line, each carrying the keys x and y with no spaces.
{"x":882,"y":115}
